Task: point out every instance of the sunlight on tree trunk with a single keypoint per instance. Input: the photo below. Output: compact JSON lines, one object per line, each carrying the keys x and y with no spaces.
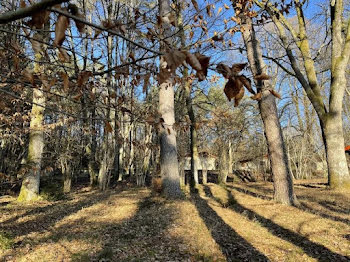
{"x":283,"y":182}
{"x":168,"y":151}
{"x":31,"y":182}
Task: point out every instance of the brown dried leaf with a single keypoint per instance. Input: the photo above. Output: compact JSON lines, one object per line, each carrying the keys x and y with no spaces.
{"x":195,"y":5}
{"x":146,"y":82}
{"x":257,"y":96}
{"x":236,"y":68}
{"x":275,"y":93}
{"x":74,"y":10}
{"x":39,"y":19}
{"x":247,"y":83}
{"x":132,"y":56}
{"x":83,"y":77}
{"x":232,"y":88}
{"x":63,"y":56}
{"x":108,"y":128}
{"x":226,"y":6}
{"x":22,"y":4}
{"x":108,"y":24}
{"x":65,"y":81}
{"x":28,"y":76}
{"x":16,"y":62}
{"x":81,"y":26}
{"x":204,"y":61}
{"x":36,"y":42}
{"x":223,"y":69}
{"x":208,"y":7}
{"x":262,"y":77}
{"x":173,"y":59}
{"x":193,"y":61}
{"x":60,"y":29}
{"x":218,"y":38}
{"x":219,"y":11}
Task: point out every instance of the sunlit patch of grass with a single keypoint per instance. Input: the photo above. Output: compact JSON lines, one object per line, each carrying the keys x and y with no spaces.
{"x":134,"y":225}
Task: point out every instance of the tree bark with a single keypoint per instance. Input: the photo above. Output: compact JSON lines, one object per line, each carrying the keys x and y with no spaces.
{"x":283,"y":182}
{"x":224,"y":165}
{"x":330,"y":120}
{"x":31,"y":182}
{"x":193,"y":133}
{"x":168,"y":150}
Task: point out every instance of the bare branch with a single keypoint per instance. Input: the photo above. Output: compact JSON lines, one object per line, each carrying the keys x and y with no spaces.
{"x":76,"y":18}
{"x":28,"y":11}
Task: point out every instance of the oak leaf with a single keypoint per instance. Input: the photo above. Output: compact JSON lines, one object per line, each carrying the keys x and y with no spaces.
{"x":83,"y":77}
{"x":39,"y":19}
{"x":60,"y":29}
{"x":236,"y":68}
{"x":108,"y":128}
{"x":195,"y":5}
{"x":262,"y":76}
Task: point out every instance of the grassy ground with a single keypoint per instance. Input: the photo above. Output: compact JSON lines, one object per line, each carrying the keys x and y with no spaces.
{"x":236,"y":223}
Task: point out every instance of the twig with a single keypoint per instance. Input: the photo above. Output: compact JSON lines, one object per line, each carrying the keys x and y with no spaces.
{"x":28,"y":11}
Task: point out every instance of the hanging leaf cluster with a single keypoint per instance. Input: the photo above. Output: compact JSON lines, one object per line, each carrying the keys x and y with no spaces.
{"x":175,"y":58}
{"x":234,"y":88}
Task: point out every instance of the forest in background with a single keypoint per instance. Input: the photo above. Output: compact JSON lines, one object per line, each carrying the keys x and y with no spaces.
{"x":106,"y":94}
{"x":81,"y":90}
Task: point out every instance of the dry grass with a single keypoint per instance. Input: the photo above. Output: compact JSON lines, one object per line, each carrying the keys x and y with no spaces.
{"x":236,"y":223}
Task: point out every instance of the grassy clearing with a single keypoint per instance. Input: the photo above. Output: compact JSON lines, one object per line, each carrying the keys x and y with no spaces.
{"x":235,"y":223}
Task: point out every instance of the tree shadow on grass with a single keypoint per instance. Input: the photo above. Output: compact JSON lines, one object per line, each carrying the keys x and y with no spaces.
{"x":46,"y":216}
{"x":311,"y":248}
{"x":304,"y":205}
{"x":232,"y":245}
{"x":142,"y":237}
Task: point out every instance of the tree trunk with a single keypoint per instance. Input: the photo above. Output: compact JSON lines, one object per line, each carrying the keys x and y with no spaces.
{"x":67,"y":179}
{"x":338,"y":175}
{"x":31,"y":182}
{"x":224,"y":165}
{"x":205,"y":176}
{"x":168,"y":151}
{"x":283,"y":182}
{"x":338,"y":172}
{"x":104,"y":174}
{"x":194,"y":143}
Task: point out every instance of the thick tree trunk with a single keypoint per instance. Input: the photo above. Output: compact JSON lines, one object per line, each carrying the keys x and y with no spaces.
{"x":338,"y":174}
{"x":283,"y":182}
{"x":168,"y":151}
{"x":31,"y":182}
{"x":30,"y":185}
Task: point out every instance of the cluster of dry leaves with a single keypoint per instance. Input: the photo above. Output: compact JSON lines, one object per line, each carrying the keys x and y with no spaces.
{"x":174,"y":58}
{"x":234,"y":88}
